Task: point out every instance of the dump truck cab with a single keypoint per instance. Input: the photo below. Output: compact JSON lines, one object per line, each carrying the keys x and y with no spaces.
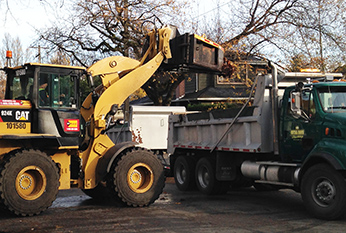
{"x":313,"y":123}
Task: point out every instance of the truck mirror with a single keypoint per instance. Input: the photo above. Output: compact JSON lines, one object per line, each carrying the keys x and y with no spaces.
{"x":295,"y":103}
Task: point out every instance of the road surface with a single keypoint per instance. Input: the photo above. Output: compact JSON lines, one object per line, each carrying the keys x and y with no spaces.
{"x":243,"y":210}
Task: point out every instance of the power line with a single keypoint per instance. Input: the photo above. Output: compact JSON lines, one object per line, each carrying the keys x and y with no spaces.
{"x":216,"y":8}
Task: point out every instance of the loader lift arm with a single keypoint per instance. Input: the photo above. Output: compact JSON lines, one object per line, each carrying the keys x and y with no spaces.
{"x":120,"y":76}
{"x":127,"y":74}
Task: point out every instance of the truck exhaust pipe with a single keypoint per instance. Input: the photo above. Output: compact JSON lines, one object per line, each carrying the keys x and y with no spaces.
{"x":271,"y":172}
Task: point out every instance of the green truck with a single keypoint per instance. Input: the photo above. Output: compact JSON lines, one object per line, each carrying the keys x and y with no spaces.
{"x":292,"y":136}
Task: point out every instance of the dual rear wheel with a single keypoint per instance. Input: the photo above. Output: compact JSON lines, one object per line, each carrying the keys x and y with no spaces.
{"x":187,"y":176}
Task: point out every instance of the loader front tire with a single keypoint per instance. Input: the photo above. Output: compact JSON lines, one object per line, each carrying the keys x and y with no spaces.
{"x":138,"y":178}
{"x":29,"y":182}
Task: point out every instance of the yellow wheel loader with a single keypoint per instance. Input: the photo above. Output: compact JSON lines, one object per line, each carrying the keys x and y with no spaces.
{"x":49,"y":140}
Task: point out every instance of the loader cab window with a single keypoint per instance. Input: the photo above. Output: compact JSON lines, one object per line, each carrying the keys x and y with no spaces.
{"x":19,"y":85}
{"x":57,"y":90}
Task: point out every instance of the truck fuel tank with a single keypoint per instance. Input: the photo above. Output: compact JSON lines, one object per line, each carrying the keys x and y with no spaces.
{"x":272,"y":172}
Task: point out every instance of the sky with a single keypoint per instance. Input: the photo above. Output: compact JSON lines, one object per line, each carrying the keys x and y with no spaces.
{"x":21,"y":18}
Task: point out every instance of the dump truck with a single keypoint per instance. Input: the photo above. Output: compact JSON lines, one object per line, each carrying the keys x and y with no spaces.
{"x":51,"y":140}
{"x":292,"y":136}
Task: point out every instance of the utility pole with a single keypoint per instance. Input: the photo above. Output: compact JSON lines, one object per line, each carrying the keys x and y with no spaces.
{"x":320,"y":35}
{"x":39,"y":52}
{"x":126,"y":53}
{"x":218,"y":23}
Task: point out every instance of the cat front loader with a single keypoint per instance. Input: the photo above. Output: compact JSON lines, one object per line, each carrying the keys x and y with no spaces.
{"x":47,"y":143}
{"x":50,"y":140}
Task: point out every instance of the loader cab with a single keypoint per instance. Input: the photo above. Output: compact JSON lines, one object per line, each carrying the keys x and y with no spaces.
{"x":53,"y":91}
{"x":46,"y":86}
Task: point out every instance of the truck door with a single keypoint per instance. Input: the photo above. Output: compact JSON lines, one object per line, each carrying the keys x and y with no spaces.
{"x":300,"y":129}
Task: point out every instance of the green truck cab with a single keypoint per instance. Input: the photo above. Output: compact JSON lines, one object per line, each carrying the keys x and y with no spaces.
{"x":313,"y":134}
{"x":313,"y":124}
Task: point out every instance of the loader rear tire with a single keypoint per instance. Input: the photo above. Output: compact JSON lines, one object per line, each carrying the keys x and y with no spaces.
{"x":138,"y":178}
{"x":29,"y":182}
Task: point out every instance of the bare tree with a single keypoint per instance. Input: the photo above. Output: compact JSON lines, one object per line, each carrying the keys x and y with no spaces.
{"x":60,"y":58}
{"x":101,"y":28}
{"x":19,"y":56}
{"x":280,"y":29}
{"x":318,"y":31}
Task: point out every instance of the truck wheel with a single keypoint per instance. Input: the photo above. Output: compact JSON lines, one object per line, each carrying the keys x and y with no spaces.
{"x":184,"y":173}
{"x":323,"y":192}
{"x":138,"y":178}
{"x":205,"y":177}
{"x":29,"y":182}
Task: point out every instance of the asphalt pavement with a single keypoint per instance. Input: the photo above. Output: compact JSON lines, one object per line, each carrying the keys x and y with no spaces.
{"x":241,"y":210}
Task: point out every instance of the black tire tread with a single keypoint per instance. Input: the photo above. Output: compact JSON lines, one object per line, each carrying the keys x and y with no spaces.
{"x":190,"y":183}
{"x":335,"y":210}
{"x":121,"y":194}
{"x":7,"y":162}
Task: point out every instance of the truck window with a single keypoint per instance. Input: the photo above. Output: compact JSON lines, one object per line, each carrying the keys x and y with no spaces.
{"x":308,"y":104}
{"x":333,"y":99}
